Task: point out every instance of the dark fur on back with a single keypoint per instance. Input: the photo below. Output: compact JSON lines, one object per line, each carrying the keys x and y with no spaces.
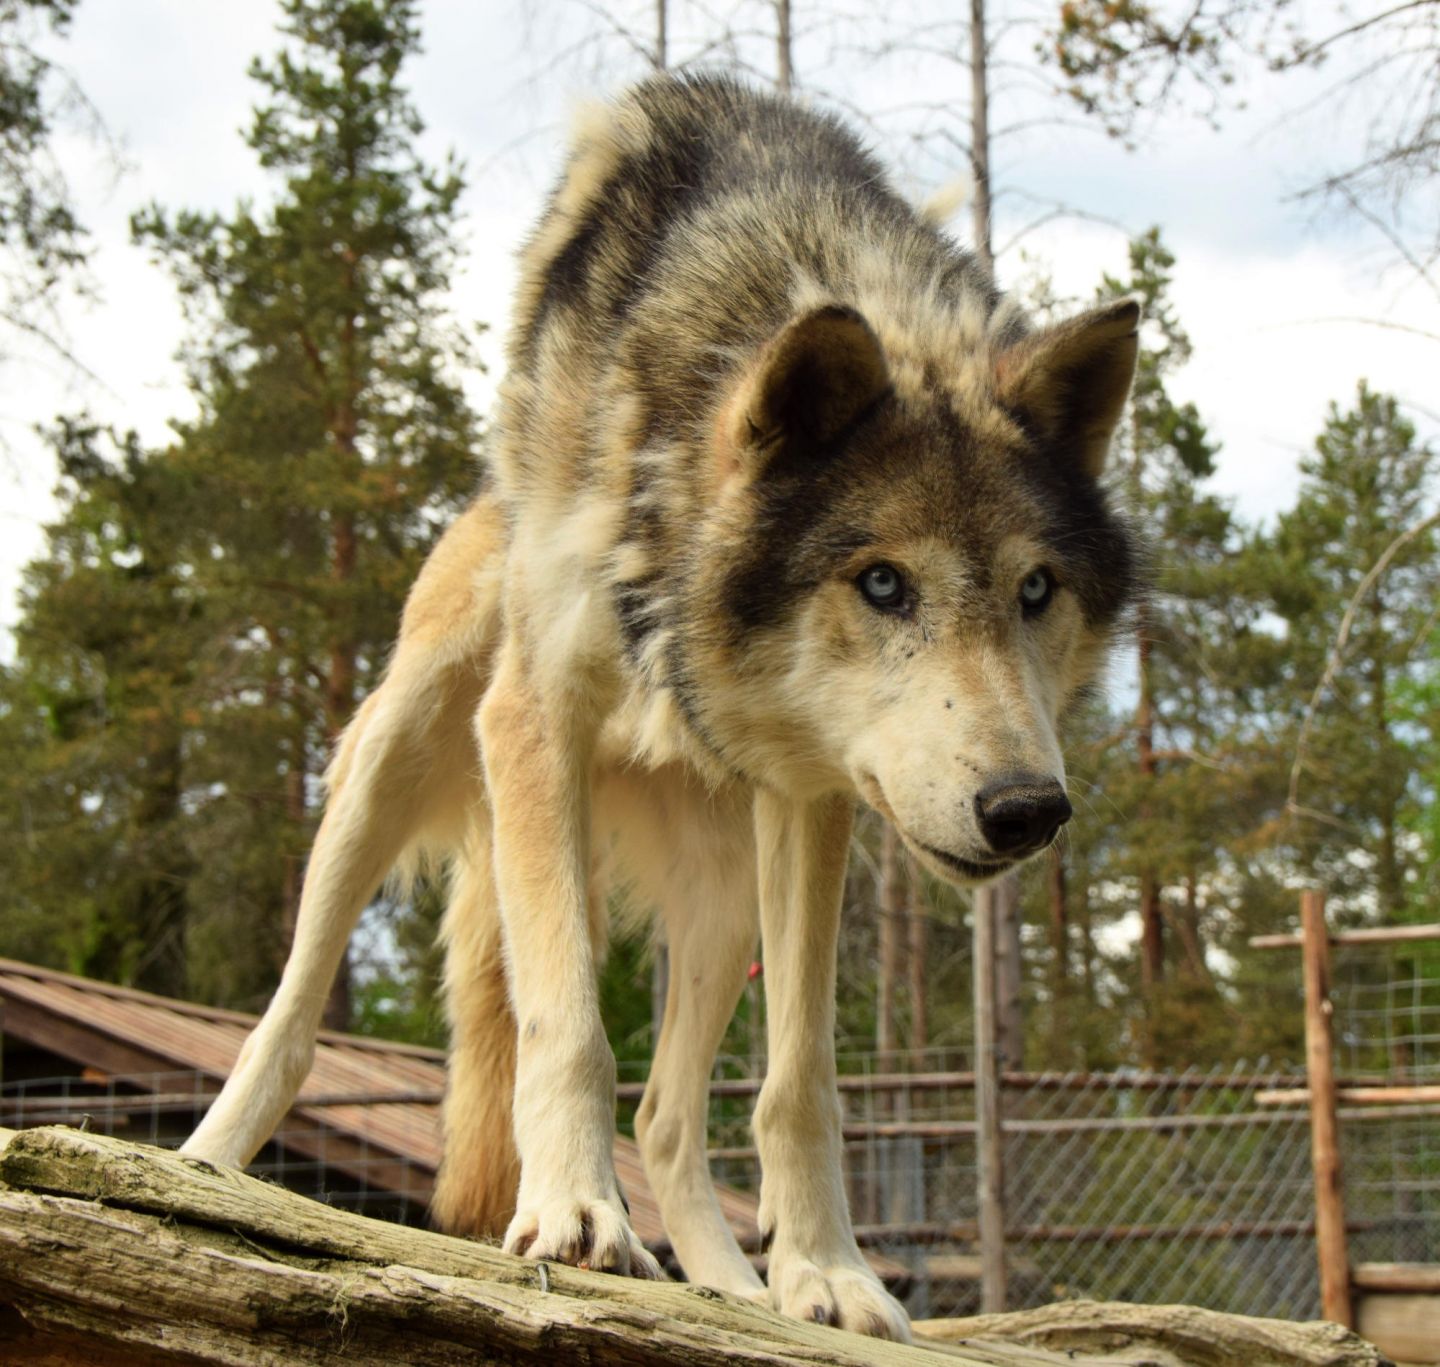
{"x":685,"y":233}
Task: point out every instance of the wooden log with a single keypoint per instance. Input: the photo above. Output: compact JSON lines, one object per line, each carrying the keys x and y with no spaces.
{"x":143,"y":1255}
{"x":1166,"y":1336}
{"x":115,"y":1254}
{"x":989,"y":1158}
{"x":1419,"y":1094}
{"x":1324,"y":1127}
{"x":1370,"y":935}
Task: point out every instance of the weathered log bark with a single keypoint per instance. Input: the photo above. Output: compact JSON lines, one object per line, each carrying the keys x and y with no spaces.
{"x":118,"y":1253}
{"x":1166,"y":1336}
{"x":115,"y":1254}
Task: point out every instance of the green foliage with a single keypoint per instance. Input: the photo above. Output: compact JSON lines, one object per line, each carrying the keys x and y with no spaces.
{"x":43,"y":240}
{"x":209,"y":614}
{"x":1368,"y":480}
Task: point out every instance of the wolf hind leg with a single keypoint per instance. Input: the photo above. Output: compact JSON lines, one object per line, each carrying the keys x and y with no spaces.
{"x":696,"y":860}
{"x":399,"y":765}
{"x":480,"y":1170}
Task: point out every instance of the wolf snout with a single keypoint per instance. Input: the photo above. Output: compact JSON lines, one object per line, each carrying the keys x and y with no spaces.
{"x":1020,"y":814}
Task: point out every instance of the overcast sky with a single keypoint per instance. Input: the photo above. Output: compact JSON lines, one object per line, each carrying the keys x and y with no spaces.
{"x":1253,"y":274}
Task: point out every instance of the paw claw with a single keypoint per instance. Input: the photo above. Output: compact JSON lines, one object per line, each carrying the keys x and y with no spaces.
{"x":844,"y":1295}
{"x":594,"y":1235}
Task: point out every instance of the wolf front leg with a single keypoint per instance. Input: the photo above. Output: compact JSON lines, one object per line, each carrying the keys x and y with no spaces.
{"x":537,"y":748}
{"x":405,"y":757}
{"x":816,"y":1269}
{"x":707,"y":898}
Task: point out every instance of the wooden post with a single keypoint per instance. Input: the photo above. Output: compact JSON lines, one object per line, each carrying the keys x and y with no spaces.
{"x":990,"y":1171}
{"x":1324,"y":1127}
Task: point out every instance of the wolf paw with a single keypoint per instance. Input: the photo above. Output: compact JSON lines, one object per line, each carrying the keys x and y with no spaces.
{"x":849,"y":1297}
{"x":589,"y":1234}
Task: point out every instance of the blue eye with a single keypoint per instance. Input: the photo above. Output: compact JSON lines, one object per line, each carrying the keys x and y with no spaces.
{"x":1036,"y":591}
{"x":883,"y":587}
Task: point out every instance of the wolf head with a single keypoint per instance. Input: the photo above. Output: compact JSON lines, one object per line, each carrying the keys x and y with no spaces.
{"x":909,"y":575}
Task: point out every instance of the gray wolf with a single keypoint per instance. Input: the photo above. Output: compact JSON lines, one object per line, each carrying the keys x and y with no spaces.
{"x":789,"y":508}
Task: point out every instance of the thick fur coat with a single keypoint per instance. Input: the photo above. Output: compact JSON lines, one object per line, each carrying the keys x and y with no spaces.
{"x":788,"y":507}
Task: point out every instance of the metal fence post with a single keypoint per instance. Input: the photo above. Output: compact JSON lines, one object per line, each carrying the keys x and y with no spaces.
{"x":990,"y":1173}
{"x":1324,"y":1127}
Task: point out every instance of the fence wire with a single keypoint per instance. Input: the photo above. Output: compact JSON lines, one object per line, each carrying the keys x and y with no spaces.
{"x":340,"y":1169}
{"x":1119,"y":1186}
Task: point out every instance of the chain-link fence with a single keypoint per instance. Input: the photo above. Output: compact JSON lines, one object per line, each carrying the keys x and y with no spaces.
{"x":339,"y":1168}
{"x":1386,"y":1021}
{"x":1126,"y":1186}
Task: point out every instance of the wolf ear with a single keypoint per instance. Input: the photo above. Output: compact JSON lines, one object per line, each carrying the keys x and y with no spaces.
{"x":814,"y":378}
{"x":1070,"y":382}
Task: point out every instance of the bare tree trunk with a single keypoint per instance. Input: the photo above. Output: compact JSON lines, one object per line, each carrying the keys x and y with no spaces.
{"x":892,"y":918}
{"x":661,"y":58}
{"x":1059,"y":955}
{"x":1009,"y":1013}
{"x":184,"y":1263}
{"x":1187,"y":928}
{"x":784,"y":64}
{"x":980,"y":133}
{"x":1152,"y":930}
{"x":919,"y":995}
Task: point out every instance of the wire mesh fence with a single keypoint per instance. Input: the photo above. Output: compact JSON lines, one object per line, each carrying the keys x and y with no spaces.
{"x":1121,"y":1186}
{"x":1386,"y":1014}
{"x":341,"y":1168}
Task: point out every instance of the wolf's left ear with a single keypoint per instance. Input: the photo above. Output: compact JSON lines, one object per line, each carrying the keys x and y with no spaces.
{"x":815,"y":377}
{"x":1069,"y":383}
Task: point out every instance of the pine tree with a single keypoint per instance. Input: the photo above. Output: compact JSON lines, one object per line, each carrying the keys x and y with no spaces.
{"x":334,"y":439}
{"x":332,"y":444}
{"x":1161,"y":807}
{"x":1369,"y":479}
{"x":97,"y":867}
{"x":45,"y":244}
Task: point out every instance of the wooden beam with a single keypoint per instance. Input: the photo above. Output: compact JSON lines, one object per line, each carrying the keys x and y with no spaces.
{"x":1420,"y":1278}
{"x":990,"y":1169}
{"x":1324,"y":1127}
{"x":1212,"y":1231}
{"x":1405,"y":1328}
{"x":1371,"y":935}
{"x":1420,"y":1094}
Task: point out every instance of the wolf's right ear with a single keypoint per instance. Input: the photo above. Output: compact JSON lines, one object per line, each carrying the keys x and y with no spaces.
{"x":813,"y":379}
{"x":1069,"y":383}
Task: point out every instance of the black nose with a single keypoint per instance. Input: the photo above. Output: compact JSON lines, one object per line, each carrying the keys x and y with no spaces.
{"x":1020,"y":814}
